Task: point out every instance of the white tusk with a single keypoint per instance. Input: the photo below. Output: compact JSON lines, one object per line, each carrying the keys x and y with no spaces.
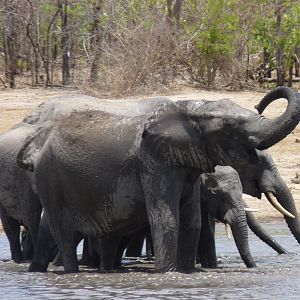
{"x":277,"y":205}
{"x":251,"y":209}
{"x":228,"y":231}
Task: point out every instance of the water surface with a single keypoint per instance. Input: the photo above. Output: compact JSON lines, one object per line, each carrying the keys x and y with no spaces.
{"x":276,"y":277}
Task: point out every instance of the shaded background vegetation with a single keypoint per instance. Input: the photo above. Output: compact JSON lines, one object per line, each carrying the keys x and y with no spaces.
{"x":133,"y":46}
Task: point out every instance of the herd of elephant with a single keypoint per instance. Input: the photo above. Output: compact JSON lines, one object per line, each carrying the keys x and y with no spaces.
{"x":112,"y":171}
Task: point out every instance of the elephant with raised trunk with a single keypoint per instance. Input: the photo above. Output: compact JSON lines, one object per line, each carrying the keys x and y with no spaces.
{"x":104,"y":174}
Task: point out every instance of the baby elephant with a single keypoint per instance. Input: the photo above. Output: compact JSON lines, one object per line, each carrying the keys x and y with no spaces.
{"x":221,"y":199}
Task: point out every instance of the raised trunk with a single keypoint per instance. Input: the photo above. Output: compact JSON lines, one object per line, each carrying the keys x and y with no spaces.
{"x":264,"y":132}
{"x":238,"y":223}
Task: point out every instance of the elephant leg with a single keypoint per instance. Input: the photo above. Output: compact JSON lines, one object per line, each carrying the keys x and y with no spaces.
{"x":45,"y":249}
{"x":207,"y":248}
{"x":27,"y":245}
{"x":11,"y":228}
{"x":58,"y":260}
{"x":121,"y":248}
{"x":108,"y":252}
{"x":67,"y":245}
{"x":189,"y":230}
{"x":66,"y":240}
{"x":149,"y":245}
{"x":162,"y":189}
{"x":90,"y":257}
{"x":135,"y":246}
{"x":85,"y":252}
{"x":32,"y":216}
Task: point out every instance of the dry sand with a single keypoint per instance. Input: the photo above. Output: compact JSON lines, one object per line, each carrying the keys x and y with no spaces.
{"x":15,"y":104}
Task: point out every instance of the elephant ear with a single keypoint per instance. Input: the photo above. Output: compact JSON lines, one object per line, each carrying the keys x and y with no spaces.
{"x":32,"y":146}
{"x":172,"y":137}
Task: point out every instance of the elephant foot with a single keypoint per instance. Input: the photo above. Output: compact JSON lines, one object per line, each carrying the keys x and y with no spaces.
{"x":209,"y":266}
{"x":73,"y":269}
{"x":251,"y":265}
{"x":17,"y":260}
{"x":58,"y":261}
{"x":37,"y":267}
{"x":187,"y":270}
{"x":109,"y":271}
{"x":164,"y":269}
{"x":109,"y":268}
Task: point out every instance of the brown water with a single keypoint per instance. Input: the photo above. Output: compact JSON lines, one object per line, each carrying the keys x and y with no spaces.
{"x":276,"y":277}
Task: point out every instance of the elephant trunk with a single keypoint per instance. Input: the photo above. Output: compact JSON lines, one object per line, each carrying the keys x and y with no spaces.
{"x":237,"y":220}
{"x":285,"y":198}
{"x":262,"y":234}
{"x":264,"y":132}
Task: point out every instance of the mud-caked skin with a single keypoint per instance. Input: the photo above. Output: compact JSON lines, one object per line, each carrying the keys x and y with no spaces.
{"x":105,"y":174}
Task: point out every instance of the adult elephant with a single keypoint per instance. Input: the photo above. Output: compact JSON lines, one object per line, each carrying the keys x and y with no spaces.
{"x":19,"y":204}
{"x":104,"y":174}
{"x":221,"y":199}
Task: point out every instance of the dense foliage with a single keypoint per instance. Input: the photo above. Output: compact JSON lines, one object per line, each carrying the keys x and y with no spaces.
{"x":131,"y":45}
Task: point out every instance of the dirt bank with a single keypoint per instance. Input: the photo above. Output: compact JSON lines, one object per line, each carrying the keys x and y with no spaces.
{"x":15,"y":104}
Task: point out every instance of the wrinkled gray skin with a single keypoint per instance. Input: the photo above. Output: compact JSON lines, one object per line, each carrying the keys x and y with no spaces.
{"x":221,"y":199}
{"x":19,"y":205}
{"x":98,"y":173}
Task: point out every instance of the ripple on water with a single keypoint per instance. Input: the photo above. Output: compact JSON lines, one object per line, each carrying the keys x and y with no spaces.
{"x":276,"y":277}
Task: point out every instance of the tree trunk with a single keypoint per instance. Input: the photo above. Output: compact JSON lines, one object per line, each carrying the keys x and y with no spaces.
{"x":174,"y":11}
{"x":97,"y":32}
{"x":266,"y":63}
{"x":279,"y":47}
{"x":54,"y":44}
{"x":48,"y":61}
{"x":65,"y":44}
{"x":10,"y":42}
{"x":297,"y":63}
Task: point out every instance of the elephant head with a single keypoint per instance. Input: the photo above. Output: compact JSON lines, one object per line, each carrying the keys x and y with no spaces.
{"x":238,"y":144}
{"x":269,"y":180}
{"x":221,"y":197}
